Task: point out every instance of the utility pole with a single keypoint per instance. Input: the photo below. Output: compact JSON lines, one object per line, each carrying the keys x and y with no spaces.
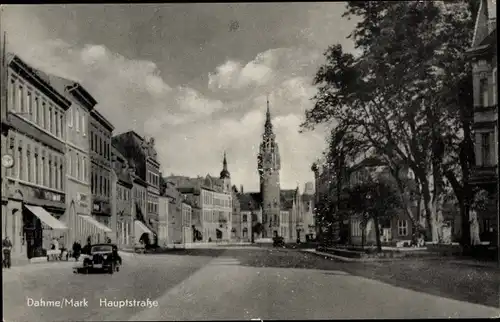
{"x":498,"y":189}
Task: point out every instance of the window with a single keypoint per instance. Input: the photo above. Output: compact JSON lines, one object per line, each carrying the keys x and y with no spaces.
{"x":20,"y":99}
{"x":12,"y":96}
{"x":402,"y":227}
{"x":44,"y":115}
{"x":37,"y":175}
{"x":485,"y":148}
{"x":78,"y":166}
{"x":61,"y":122}
{"x":69,"y":163}
{"x":100,"y":185}
{"x":50,"y":173}
{"x":245,"y":232}
{"x":83,"y":124}
{"x":61,"y":177}
{"x":70,"y":117}
{"x":244,"y":218}
{"x":84,"y":169}
{"x":36,"y":108}
{"x":483,"y":92}
{"x":56,"y":119}
{"x":43,"y":177}
{"x":49,"y":123}
{"x":77,"y":119}
{"x":56,"y":175}
{"x":29,"y":104}
{"x":28,"y":164}
{"x":356,"y":230}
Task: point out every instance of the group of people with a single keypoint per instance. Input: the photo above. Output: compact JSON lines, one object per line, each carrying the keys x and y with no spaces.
{"x":77,"y":249}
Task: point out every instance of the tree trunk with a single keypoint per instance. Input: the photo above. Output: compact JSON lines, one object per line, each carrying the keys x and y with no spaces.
{"x":377,"y":234}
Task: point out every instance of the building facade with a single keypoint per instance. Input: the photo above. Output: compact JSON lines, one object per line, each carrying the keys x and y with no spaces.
{"x":163,"y":215}
{"x":124,"y":196}
{"x":269,"y":165}
{"x":143,"y":155}
{"x":78,"y":215}
{"x":484,"y":174}
{"x":211,"y":203}
{"x":33,"y":182}
{"x":101,"y":131}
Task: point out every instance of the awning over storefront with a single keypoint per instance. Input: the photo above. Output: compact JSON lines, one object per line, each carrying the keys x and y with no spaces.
{"x":46,"y":218}
{"x":140,"y":229}
{"x":95,"y":223}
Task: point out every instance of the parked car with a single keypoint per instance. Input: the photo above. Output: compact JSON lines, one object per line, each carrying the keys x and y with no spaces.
{"x":278,"y":241}
{"x":103,"y":257}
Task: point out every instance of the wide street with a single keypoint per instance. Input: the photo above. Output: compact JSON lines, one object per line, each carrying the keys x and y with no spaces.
{"x":241,"y":284}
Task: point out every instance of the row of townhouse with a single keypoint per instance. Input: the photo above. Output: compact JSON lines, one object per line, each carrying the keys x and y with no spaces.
{"x":211,"y":204}
{"x":64,"y":175}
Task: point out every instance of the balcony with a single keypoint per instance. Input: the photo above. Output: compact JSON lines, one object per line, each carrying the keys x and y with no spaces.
{"x":483,"y":175}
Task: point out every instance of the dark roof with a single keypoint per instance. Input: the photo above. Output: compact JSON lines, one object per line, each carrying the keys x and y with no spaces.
{"x":250,"y":201}
{"x":191,"y":190}
{"x":65,"y":85}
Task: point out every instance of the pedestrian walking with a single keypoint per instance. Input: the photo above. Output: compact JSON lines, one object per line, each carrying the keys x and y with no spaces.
{"x":6,"y":250}
{"x":77,"y":249}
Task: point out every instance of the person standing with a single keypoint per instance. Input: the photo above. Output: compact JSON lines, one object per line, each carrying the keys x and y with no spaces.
{"x":77,"y":249}
{"x":6,"y":250}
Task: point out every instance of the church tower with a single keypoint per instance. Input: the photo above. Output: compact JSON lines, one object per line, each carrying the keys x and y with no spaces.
{"x":269,"y":171}
{"x":225,"y":176}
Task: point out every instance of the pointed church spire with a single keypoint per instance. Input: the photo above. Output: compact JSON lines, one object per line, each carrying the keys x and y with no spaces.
{"x":224,"y":174}
{"x":268,"y":127}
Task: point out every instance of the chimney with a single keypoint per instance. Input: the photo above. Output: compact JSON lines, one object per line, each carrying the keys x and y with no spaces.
{"x":241,"y":189}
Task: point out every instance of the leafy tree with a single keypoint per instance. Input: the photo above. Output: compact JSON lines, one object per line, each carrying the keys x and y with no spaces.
{"x":374,"y":200}
{"x":395,"y":94}
{"x":257,"y":229}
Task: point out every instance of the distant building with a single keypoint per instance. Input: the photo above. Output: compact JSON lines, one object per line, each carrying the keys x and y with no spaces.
{"x":212,"y":204}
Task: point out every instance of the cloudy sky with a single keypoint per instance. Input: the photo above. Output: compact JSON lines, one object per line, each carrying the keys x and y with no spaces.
{"x":194,"y":76}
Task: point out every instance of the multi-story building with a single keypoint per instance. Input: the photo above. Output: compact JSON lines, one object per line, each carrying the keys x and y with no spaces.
{"x":484,"y":69}
{"x":251,"y":214}
{"x":124,"y":205}
{"x":211,"y":201}
{"x":33,"y":158}
{"x":78,"y":191}
{"x":144,"y":156}
{"x":101,"y":131}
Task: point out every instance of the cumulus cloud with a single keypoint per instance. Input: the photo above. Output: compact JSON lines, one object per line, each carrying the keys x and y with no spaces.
{"x":192,"y":127}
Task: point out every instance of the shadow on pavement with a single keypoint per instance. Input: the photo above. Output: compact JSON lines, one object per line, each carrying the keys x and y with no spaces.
{"x":480,"y":285}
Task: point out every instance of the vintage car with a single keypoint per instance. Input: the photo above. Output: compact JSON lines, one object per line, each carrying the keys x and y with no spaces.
{"x":103,"y":257}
